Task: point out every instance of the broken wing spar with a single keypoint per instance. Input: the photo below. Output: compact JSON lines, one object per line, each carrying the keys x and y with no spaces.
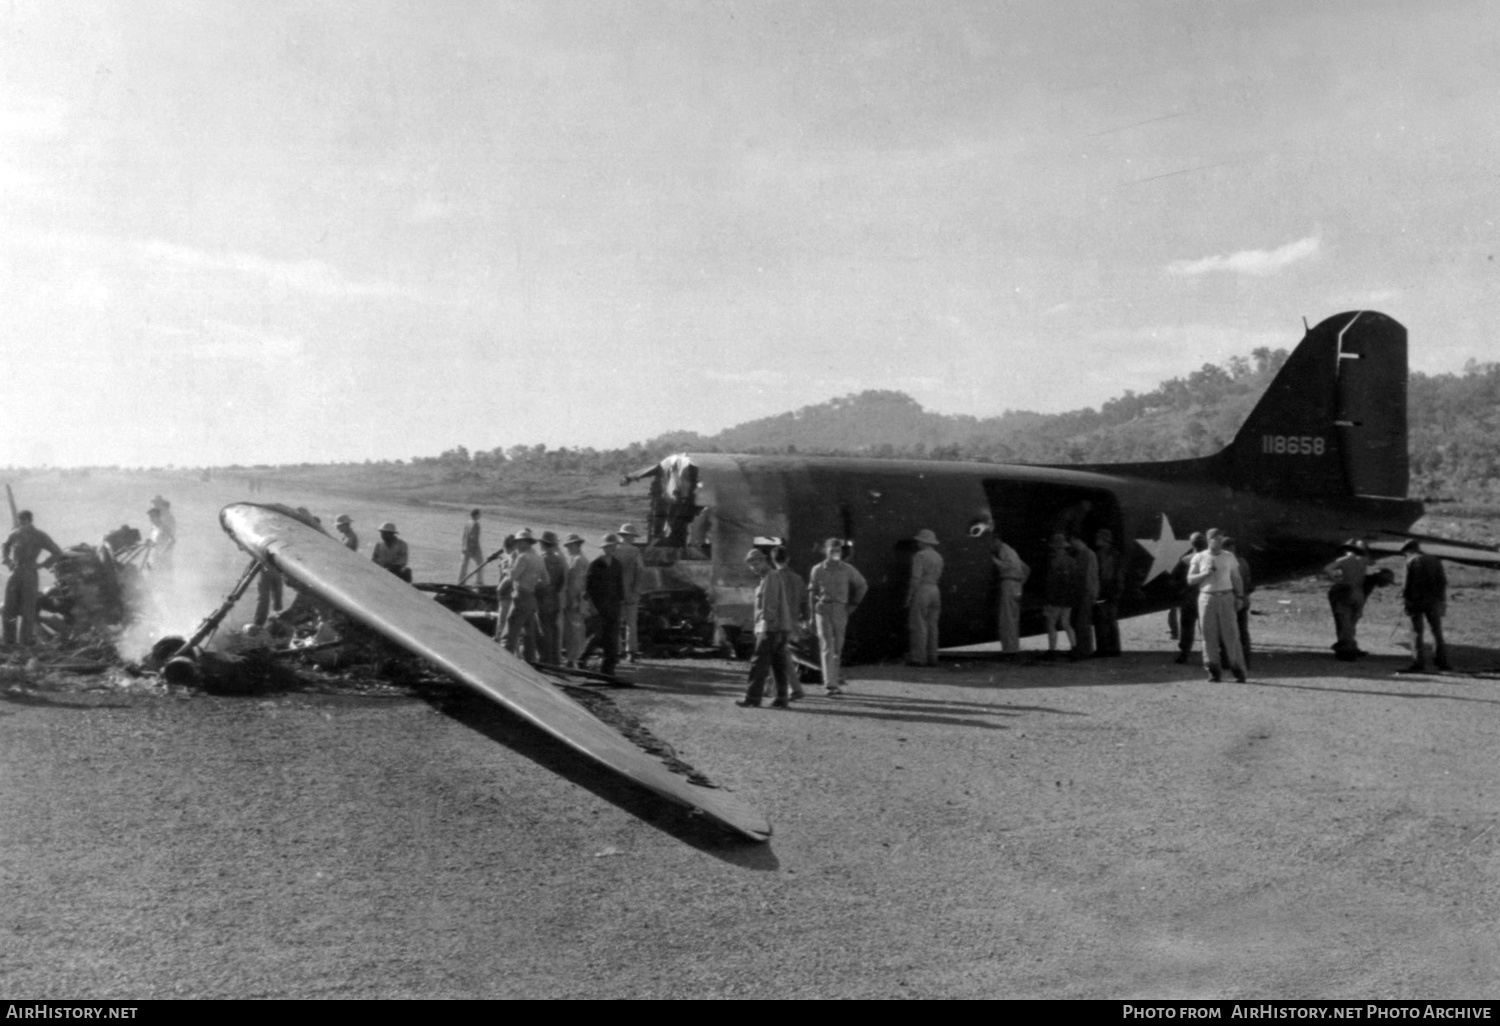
{"x":407,"y":617}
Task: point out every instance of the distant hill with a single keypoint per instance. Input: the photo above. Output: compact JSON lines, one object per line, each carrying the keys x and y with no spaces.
{"x":1187,"y":416}
{"x":1454,"y":439}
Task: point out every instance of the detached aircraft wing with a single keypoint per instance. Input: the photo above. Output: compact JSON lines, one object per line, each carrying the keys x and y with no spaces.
{"x":1469,"y":553}
{"x":396,"y":610}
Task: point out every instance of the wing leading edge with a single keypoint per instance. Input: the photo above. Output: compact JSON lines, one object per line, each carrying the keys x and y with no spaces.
{"x":407,"y":617}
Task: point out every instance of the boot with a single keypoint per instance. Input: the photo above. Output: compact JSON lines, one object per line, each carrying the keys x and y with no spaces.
{"x":1215,"y":672}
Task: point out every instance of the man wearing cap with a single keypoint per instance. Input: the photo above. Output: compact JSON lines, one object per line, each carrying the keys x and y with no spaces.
{"x":549,"y":599}
{"x":345,"y":525}
{"x":630,"y":566}
{"x":606,"y":590}
{"x":775,"y":618}
{"x":835,"y":588}
{"x":1216,"y":575}
{"x":391,"y":552}
{"x":20,"y":551}
{"x":1346,"y":598}
{"x":1425,"y":596}
{"x":471,"y":550}
{"x":575,"y":590}
{"x":924,"y":601}
{"x":527,"y":574}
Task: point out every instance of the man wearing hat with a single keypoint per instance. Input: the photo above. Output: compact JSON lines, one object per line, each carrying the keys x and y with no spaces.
{"x":526,"y":575}
{"x":630,"y":567}
{"x":168,"y":518}
{"x":391,"y":552}
{"x":345,"y":525}
{"x":923,"y":600}
{"x":606,"y":590}
{"x":775,"y":618}
{"x":471,"y":550}
{"x":549,"y":598}
{"x":575,"y":591}
{"x":1425,"y":596}
{"x":1216,"y":575}
{"x":1346,"y":598}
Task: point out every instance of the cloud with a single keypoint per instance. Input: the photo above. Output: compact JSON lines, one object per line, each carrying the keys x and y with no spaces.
{"x":1257,"y":262}
{"x":428,"y":211}
{"x":313,"y":277}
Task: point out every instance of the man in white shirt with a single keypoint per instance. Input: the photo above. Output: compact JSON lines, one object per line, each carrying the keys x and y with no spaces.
{"x":1216,"y":575}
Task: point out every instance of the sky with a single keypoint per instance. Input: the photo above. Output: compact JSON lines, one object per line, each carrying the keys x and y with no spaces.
{"x":322,"y":231}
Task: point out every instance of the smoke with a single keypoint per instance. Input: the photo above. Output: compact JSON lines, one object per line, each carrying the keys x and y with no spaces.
{"x":182,"y":590}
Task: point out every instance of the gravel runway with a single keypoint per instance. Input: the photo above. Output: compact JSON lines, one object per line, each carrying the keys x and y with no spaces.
{"x":1112,"y":828}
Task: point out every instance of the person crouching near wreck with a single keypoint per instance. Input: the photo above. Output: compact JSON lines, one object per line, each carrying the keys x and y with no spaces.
{"x":775,"y":617}
{"x":835,"y":589}
{"x":1216,"y":575}
{"x":391,"y":552}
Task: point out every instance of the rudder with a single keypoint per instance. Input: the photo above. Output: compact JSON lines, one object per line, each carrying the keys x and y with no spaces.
{"x":1333,"y":421}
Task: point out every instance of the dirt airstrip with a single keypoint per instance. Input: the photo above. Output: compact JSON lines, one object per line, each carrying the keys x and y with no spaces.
{"x":1112,"y":828}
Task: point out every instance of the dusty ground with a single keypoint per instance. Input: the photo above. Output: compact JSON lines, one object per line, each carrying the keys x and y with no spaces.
{"x":1112,"y":828}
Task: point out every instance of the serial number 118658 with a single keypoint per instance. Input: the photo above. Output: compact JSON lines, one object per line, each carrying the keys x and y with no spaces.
{"x":1293,"y":445}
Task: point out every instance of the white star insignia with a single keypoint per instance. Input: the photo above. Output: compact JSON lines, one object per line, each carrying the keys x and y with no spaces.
{"x":1165,"y":550}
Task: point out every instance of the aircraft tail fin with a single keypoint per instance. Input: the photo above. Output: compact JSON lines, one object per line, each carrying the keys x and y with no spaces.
{"x":1333,"y":421}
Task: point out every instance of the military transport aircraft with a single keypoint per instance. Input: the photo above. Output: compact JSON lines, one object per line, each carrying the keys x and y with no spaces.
{"x":1321,"y":458}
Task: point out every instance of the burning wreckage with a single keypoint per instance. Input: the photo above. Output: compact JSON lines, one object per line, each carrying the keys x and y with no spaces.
{"x":350,"y":620}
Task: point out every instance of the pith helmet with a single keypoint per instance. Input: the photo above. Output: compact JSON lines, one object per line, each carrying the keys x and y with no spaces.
{"x":525,"y":535}
{"x":343,"y":518}
{"x":573,"y":539}
{"x":388,"y":527}
{"x":628,"y":531}
{"x":611,"y":539}
{"x":926,"y":537}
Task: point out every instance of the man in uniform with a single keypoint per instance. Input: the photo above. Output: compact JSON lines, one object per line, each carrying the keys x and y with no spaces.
{"x":1425,"y":596}
{"x":775,"y":618}
{"x":630,"y":567}
{"x":1216,"y":575}
{"x":21,"y":550}
{"x":391,"y":552}
{"x":606,"y":590}
{"x":924,"y":601}
{"x":1346,"y":599}
{"x":1013,"y":573}
{"x":575,"y":589}
{"x":549,"y":599}
{"x":527,"y":575}
{"x":345,"y":525}
{"x":471,"y":550}
{"x":835,"y":589}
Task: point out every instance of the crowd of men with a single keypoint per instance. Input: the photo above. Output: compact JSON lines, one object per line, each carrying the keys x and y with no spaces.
{"x":549,"y":594}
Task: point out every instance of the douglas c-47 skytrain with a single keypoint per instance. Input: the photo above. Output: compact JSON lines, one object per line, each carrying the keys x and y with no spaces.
{"x":1321,"y":458}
